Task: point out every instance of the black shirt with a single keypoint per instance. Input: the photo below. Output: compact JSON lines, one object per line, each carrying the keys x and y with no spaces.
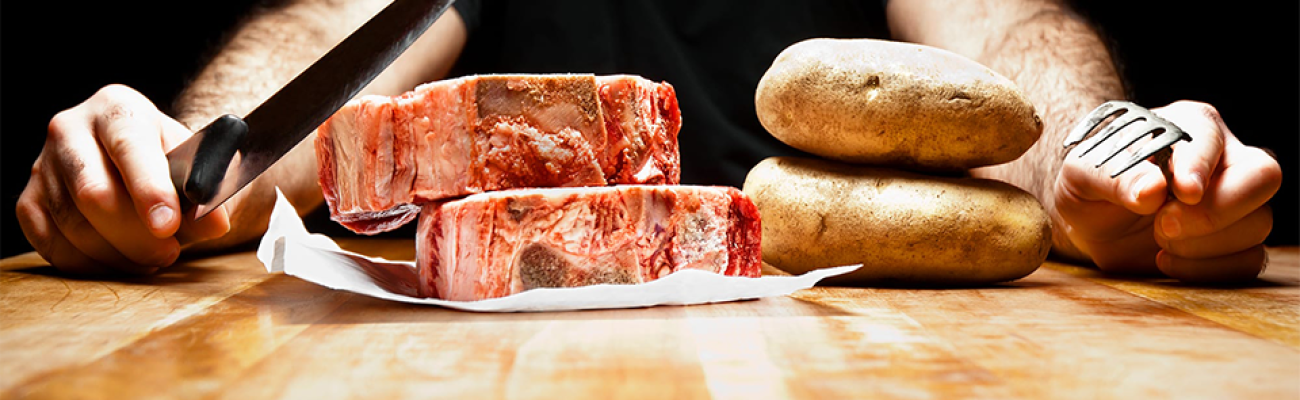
{"x":713,"y":52}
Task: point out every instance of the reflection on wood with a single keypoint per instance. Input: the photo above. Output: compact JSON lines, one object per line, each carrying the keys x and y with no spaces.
{"x":222,"y":327}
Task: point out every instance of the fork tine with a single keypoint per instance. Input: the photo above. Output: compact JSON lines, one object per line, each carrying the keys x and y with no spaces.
{"x":1090,"y":121}
{"x":1162,"y":141}
{"x":1128,"y":118}
{"x":1139,"y":130}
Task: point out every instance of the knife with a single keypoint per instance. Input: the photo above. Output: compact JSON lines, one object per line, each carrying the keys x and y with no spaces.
{"x":223,"y":157}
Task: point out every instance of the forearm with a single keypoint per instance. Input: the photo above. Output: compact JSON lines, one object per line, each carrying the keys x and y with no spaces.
{"x":1066,"y":70}
{"x":1055,"y":57}
{"x":267,"y":51}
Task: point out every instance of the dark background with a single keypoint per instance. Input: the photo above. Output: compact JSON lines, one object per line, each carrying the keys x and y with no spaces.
{"x":1244,"y":60}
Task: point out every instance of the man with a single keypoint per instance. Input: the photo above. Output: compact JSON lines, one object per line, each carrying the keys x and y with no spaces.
{"x":100,"y":199}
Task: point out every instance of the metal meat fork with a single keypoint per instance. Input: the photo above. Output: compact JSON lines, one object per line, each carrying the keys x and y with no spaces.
{"x":1142,"y":121}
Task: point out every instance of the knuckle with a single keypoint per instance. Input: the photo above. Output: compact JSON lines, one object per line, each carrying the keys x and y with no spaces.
{"x":1206,"y":110}
{"x":1266,"y":172}
{"x":116,"y":111}
{"x":116,"y":124}
{"x":1270,"y":171}
{"x":115,"y":91}
{"x":60,"y":125}
{"x":38,"y":169}
{"x":118,"y":103}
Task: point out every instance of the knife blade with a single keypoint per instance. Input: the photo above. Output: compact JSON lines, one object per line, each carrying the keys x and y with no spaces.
{"x":227,"y":154}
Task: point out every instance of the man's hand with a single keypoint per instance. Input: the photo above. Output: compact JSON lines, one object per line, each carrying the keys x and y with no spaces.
{"x":1207,"y":225}
{"x":100,"y":197}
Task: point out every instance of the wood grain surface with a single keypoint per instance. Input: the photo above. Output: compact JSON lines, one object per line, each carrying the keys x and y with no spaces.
{"x":221,"y":327}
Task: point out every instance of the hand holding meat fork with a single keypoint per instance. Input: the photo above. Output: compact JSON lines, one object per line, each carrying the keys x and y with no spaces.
{"x":1203,"y":221}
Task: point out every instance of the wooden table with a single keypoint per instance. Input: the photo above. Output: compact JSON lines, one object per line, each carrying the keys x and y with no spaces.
{"x":221,"y":327}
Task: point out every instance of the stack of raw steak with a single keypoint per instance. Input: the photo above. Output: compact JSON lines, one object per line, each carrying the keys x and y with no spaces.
{"x":526,"y":181}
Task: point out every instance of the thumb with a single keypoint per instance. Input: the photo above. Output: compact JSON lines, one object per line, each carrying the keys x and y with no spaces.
{"x":1141,"y":190}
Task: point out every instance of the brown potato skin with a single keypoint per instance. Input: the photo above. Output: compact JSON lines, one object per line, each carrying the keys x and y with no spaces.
{"x":894,"y":104}
{"x":905,"y":228}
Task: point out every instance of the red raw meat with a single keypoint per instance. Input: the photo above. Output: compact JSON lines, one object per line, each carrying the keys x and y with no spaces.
{"x":500,"y":243}
{"x":379,"y":156}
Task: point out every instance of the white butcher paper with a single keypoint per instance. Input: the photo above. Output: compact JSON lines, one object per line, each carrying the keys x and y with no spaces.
{"x":288,"y":247}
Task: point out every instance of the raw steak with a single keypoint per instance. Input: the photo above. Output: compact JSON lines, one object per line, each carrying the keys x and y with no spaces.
{"x":495,"y":244}
{"x":380,"y":156}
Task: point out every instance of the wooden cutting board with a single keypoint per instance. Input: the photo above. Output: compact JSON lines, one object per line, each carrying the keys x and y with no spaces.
{"x":221,"y":327}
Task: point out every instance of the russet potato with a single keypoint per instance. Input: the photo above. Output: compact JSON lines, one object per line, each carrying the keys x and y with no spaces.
{"x":905,"y":228}
{"x":894,"y":104}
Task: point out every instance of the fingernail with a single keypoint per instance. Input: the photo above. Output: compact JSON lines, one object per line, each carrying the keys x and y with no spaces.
{"x":1198,"y":180}
{"x":160,"y":215}
{"x":1162,"y":260}
{"x":1198,"y":186}
{"x":1141,"y":185}
{"x":1171,"y":226}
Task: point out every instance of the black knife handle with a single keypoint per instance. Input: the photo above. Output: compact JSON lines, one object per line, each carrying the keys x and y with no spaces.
{"x":221,"y":139}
